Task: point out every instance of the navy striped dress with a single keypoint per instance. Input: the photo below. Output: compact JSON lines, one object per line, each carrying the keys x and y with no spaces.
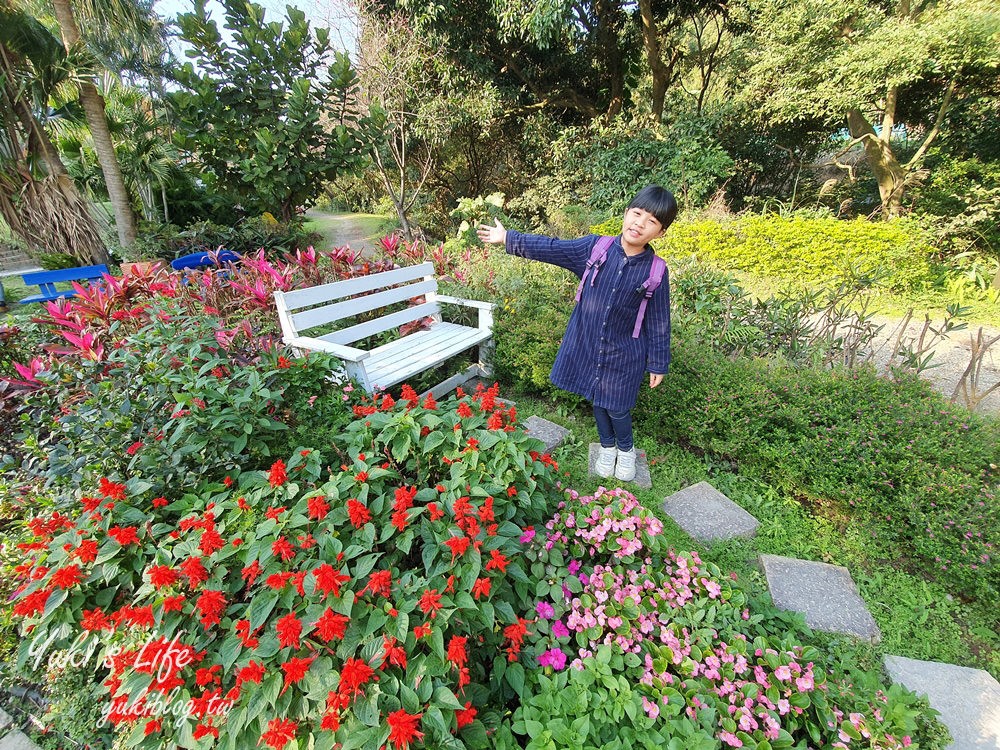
{"x":598,"y":358}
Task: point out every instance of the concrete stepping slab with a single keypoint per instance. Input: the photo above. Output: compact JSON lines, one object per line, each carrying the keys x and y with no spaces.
{"x":548,"y":432}
{"x":17,"y":740}
{"x":825,"y":594}
{"x":5,"y":720}
{"x":967,"y":699}
{"x":708,"y":515}
{"x":642,"y":478}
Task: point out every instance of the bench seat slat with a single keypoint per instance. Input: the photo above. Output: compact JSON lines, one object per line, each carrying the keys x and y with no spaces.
{"x":399,"y":360}
{"x":385,"y":323}
{"x":317,"y":295}
{"x":318,"y":316}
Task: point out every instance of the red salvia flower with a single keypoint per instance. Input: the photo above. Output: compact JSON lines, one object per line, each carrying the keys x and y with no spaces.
{"x":173,"y":603}
{"x":289,"y":630}
{"x":277,"y":476}
{"x":152,"y":726}
{"x":277,"y":581}
{"x":430,"y":602}
{"x":211,"y":604}
{"x":297,"y":581}
{"x":403,"y":729}
{"x":403,"y":498}
{"x":251,"y":572}
{"x":458,"y":546}
{"x":91,"y":504}
{"x":481,"y":587}
{"x":33,"y":603}
{"x":282,"y":548}
{"x":497,"y":561}
{"x":400,"y":518}
{"x":329,"y":580}
{"x":274,"y":514}
{"x":331,"y":626}
{"x":421,"y":631}
{"x":252,"y":672}
{"x":279,"y":733}
{"x":358,"y":512}
{"x":464,"y":410}
{"x":111,"y":490}
{"x":86,"y":552}
{"x":361,"y":477}
{"x":162,"y":575}
{"x":295,"y":669}
{"x":124,"y":535}
{"x":194,"y":570}
{"x":392,"y":653}
{"x":466,"y":716}
{"x":457,"y":651}
{"x":203,"y":730}
{"x":379,"y":583}
{"x":436,"y":513}
{"x":317,"y":508}
{"x":244,"y":634}
{"x":95,"y":619}
{"x":66,"y":577}
{"x":207,"y":675}
{"x":515,"y":634}
{"x":430,"y":403}
{"x":211,"y":542}
{"x":353,"y":675}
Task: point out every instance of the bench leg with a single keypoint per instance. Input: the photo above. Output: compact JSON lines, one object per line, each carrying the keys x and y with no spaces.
{"x":486,"y":350}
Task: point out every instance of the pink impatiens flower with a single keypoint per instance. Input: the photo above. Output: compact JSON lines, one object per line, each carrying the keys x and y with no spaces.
{"x":554,"y":658}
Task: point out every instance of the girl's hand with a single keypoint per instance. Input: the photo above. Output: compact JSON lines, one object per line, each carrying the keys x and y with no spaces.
{"x":495,"y":235}
{"x":655,"y":380}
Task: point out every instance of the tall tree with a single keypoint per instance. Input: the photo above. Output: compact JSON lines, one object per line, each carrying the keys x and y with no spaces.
{"x":93,"y":106}
{"x":271,"y":115}
{"x":867,"y":66}
{"x":38,"y":199}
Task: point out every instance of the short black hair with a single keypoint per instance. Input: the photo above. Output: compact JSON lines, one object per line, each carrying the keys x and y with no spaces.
{"x":658,"y":201}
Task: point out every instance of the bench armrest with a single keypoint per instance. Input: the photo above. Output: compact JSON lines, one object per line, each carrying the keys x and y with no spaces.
{"x":346,"y":353}
{"x":467,"y":302}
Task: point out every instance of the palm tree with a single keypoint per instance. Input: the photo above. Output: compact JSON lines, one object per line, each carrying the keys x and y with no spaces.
{"x":38,"y":199}
{"x":93,"y":106}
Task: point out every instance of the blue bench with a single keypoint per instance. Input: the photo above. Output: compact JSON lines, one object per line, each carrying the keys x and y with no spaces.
{"x":203,"y":258}
{"x":47,"y":280}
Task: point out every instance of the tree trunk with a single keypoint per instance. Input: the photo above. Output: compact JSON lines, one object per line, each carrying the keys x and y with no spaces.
{"x":651,"y":43}
{"x":889,"y":173}
{"x":93,"y":107}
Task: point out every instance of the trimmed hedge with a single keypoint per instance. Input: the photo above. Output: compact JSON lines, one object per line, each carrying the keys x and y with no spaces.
{"x":803,"y":249}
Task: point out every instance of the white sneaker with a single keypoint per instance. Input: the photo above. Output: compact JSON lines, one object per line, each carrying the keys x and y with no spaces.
{"x":605,"y":465}
{"x":625,"y":467}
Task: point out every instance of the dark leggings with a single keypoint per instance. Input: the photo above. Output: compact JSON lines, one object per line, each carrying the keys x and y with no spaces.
{"x":614,"y":428}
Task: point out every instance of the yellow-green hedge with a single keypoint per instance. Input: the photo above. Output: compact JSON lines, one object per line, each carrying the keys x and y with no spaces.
{"x":802,"y":249}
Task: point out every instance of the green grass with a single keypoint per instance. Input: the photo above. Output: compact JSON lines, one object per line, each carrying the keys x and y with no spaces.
{"x":918,"y":619}
{"x":15,"y":289}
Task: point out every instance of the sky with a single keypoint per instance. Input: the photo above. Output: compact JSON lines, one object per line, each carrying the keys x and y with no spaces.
{"x":337,"y":15}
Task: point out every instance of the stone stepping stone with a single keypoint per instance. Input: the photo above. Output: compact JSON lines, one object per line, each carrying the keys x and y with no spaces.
{"x":642,"y":478}
{"x":17,"y":740}
{"x":824,"y":593}
{"x":548,"y":432}
{"x":967,"y":699}
{"x":5,"y":721}
{"x":708,"y":515}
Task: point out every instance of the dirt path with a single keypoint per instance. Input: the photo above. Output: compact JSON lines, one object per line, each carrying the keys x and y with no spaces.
{"x":358,"y":231}
{"x":952,"y":356}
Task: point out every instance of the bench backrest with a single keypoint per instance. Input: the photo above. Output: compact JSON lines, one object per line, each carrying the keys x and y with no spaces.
{"x":65,"y":274}
{"x":340,"y":300}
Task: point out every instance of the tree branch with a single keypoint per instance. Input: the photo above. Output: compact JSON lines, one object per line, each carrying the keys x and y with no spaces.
{"x":936,"y":127}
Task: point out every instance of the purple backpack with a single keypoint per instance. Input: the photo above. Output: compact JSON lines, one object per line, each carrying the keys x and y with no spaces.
{"x":650,"y":285}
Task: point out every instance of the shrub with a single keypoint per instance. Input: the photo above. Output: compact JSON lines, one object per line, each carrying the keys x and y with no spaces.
{"x":875,"y":448}
{"x":805,"y":250}
{"x":366,"y":608}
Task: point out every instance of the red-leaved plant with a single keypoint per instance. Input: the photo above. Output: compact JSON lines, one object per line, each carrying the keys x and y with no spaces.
{"x":361,"y":611}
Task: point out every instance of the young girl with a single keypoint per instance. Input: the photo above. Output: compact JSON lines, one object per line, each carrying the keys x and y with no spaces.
{"x":599,"y":358}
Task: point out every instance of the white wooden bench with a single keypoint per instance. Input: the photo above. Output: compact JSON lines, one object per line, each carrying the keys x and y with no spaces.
{"x":339,"y":304}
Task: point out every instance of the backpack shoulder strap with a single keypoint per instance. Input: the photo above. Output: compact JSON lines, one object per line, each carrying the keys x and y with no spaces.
{"x":657,"y":270}
{"x":598,"y":254}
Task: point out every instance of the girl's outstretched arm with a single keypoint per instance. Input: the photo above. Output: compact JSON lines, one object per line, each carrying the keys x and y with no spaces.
{"x":495,"y":235}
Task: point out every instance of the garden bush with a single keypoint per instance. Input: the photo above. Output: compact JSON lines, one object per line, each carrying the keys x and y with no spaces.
{"x":365,"y":607}
{"x":805,"y":250}
{"x":892,"y":452}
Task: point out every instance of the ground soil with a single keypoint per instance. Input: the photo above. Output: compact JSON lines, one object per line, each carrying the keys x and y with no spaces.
{"x":952,"y":356}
